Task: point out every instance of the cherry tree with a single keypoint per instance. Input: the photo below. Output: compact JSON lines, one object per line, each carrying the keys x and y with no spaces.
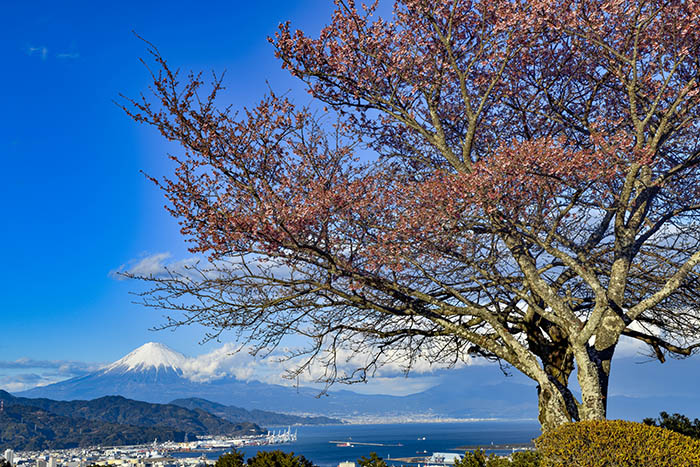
{"x":516,"y":180}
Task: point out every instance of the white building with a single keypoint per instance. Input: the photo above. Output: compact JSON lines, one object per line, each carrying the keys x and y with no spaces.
{"x":10,"y":456}
{"x":40,"y":463}
{"x":443,"y":458}
{"x":52,"y":462}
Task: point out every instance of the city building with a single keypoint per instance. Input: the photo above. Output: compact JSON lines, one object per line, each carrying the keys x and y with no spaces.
{"x":442,"y":458}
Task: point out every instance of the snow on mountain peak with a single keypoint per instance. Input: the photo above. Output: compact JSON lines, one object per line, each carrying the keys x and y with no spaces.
{"x":150,"y":355}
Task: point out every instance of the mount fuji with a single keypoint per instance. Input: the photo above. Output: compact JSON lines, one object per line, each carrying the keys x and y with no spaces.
{"x":152,"y":363}
{"x":155,"y":373}
{"x":149,"y":357}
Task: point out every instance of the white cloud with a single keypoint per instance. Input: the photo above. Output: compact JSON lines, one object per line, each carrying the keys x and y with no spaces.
{"x":628,"y":347}
{"x":41,"y":51}
{"x":160,"y":265}
{"x":61,"y":366}
{"x":16,"y":383}
{"x":25,"y":373}
{"x":155,"y":265}
{"x":396,"y":386}
{"x":152,"y":265}
{"x":231,"y":360}
{"x":225,"y":361}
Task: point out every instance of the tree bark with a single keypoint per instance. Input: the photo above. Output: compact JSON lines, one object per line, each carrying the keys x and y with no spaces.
{"x":557,"y":404}
{"x":594,"y":377}
{"x":552,"y":406}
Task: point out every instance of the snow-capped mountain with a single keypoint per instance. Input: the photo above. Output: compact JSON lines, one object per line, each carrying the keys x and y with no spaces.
{"x":148,"y":373}
{"x":158,"y":374}
{"x":155,"y":373}
{"x":148,"y":357}
{"x":151,"y":364}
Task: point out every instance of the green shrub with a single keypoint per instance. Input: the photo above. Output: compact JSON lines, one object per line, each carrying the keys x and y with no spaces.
{"x":372,"y":461}
{"x":525,"y":459}
{"x":676,"y":422}
{"x":278,"y":459}
{"x":495,"y":461}
{"x":231,"y":459}
{"x":478,"y":458}
{"x":616,"y":443}
{"x":275,"y":458}
{"x":472,"y":459}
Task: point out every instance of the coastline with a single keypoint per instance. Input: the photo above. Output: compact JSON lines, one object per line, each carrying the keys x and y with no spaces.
{"x":406,"y":420}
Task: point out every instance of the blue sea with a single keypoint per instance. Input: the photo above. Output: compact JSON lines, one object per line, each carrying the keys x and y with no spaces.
{"x":314,"y":442}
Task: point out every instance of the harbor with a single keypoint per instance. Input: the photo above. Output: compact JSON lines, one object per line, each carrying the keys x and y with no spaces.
{"x":326,"y":446}
{"x":351,"y":443}
{"x":218,"y":443}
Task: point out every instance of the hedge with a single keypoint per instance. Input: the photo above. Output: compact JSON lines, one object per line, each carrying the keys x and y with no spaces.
{"x":616,"y":443}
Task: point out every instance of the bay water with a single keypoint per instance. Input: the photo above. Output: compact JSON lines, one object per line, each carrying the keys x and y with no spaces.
{"x":397,"y":440}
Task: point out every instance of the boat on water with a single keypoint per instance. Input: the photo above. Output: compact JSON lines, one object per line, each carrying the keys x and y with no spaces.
{"x":346,"y":444}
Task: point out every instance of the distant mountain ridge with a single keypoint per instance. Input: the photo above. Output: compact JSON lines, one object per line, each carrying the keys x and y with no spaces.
{"x":45,"y":423}
{"x":260,"y":417}
{"x":155,"y":373}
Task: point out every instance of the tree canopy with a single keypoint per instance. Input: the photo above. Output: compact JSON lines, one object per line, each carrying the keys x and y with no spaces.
{"x":234,"y":458}
{"x":274,"y":458}
{"x":676,"y":422}
{"x":372,"y":461}
{"x":516,"y":180}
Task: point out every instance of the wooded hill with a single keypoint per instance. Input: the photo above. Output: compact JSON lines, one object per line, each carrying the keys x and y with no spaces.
{"x":30,"y":424}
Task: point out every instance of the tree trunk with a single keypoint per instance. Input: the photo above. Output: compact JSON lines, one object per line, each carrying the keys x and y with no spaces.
{"x":594,"y":377}
{"x":553,"y":411}
{"x":556,"y":403}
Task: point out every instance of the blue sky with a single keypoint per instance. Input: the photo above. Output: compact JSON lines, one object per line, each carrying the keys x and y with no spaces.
{"x":75,"y":205}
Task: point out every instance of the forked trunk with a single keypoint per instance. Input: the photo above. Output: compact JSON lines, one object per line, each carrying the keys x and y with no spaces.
{"x":557,"y":404}
{"x":554,"y":409}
